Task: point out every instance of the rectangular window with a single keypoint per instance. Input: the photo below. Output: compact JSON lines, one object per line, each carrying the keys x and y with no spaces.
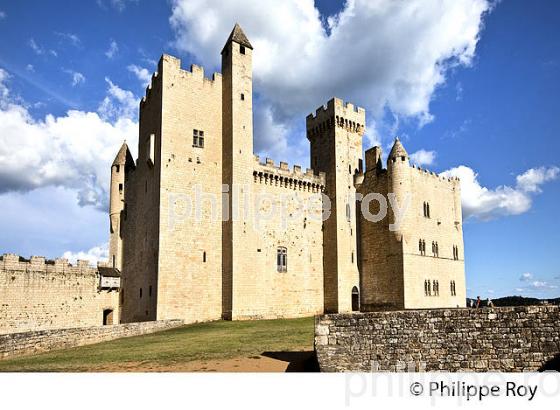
{"x":242,"y":97}
{"x":282,"y":259}
{"x":198,"y":138}
{"x":242,"y":49}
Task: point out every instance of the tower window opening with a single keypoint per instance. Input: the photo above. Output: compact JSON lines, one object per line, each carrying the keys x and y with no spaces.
{"x":242,"y":97}
{"x":120,"y":188}
{"x":150,"y":290}
{"x":242,"y":49}
{"x":117,"y":168}
{"x":140,"y":293}
{"x":282,"y":259}
{"x":198,"y":139}
{"x":204,"y":256}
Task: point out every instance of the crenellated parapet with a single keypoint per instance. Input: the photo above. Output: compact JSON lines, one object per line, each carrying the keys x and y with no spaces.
{"x":431,"y":174}
{"x":336,"y":113}
{"x":12,"y":263}
{"x":195,"y":74}
{"x":268,"y":173}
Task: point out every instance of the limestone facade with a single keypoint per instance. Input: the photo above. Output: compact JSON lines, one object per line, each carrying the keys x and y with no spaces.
{"x":39,"y":294}
{"x":201,"y":229}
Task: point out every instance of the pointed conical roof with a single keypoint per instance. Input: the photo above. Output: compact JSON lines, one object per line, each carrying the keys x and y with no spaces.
{"x":398,"y":149}
{"x":239,"y":36}
{"x":124,"y":156}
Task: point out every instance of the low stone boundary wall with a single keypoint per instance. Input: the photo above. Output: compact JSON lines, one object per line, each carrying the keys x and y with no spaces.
{"x":510,"y":339}
{"x":19,"y":344}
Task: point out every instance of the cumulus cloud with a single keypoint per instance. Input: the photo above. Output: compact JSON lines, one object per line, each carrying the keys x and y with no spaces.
{"x":73,"y":151}
{"x":118,"y":103}
{"x":484,"y":203}
{"x":379,"y":54}
{"x":143,"y":74}
{"x":96,"y":254}
{"x":112,"y":50}
{"x":2,"y":15}
{"x":423,"y":157}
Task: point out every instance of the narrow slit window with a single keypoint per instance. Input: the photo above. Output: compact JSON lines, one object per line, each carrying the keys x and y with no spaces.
{"x":282,"y":259}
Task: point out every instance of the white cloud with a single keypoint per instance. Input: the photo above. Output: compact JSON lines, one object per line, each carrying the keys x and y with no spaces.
{"x":93,"y":255}
{"x":379,"y":54}
{"x":77,"y":78}
{"x":71,"y":38}
{"x":30,"y":68}
{"x":118,"y":103}
{"x":118,"y":5}
{"x":531,"y":180}
{"x":423,"y":157}
{"x":35,"y":47}
{"x":39,"y":50}
{"x":2,"y":15}
{"x":73,"y":151}
{"x":112,"y":50}
{"x":143,"y":74}
{"x":485,"y":203}
{"x":525,"y":277}
{"x":531,"y":284}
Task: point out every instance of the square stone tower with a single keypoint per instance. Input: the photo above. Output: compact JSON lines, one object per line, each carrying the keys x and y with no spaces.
{"x":335,"y":133}
{"x":237,"y":140}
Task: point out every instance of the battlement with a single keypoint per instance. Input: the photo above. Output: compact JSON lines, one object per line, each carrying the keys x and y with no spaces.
{"x":435,"y":175}
{"x":195,"y":73}
{"x":12,"y":262}
{"x":336,"y":113}
{"x":269,"y":174}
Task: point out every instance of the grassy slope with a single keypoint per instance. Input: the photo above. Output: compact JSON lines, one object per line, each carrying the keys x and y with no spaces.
{"x":215,"y":340}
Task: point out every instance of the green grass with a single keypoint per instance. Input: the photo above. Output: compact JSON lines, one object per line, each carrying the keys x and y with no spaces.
{"x":204,"y":341}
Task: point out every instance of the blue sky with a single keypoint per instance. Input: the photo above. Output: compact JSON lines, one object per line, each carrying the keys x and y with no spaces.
{"x":469,"y":86}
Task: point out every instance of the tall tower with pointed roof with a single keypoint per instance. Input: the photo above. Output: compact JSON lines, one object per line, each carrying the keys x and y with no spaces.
{"x":122,"y":164}
{"x":237,"y":151}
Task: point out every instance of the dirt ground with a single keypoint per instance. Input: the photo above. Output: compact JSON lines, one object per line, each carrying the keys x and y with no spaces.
{"x":266,"y":362}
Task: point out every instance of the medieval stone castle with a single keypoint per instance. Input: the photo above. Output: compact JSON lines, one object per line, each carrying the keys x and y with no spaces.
{"x":259,"y":244}
{"x":196,"y":134}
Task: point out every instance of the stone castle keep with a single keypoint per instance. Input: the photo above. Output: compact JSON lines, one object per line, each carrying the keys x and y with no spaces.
{"x":223,"y":260}
{"x":196,"y":135}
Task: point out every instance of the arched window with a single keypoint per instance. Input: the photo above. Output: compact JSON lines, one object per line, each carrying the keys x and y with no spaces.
{"x":436,"y":287}
{"x":282,"y":259}
{"x":426,"y":288}
{"x":355,"y":299}
{"x":427,"y":209}
{"x":429,"y":289}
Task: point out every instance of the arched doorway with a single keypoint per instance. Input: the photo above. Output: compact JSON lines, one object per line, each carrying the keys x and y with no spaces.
{"x":355,"y":299}
{"x":107,"y":316}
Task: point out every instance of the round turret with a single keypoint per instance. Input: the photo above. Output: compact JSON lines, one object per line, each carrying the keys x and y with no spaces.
{"x":398,"y":168}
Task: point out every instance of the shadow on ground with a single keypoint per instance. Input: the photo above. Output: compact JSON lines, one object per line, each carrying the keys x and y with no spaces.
{"x":298,"y":361}
{"x":551,"y":365}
